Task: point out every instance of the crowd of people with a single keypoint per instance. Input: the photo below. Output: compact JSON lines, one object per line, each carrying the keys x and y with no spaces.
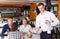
{"x":44,"y":23}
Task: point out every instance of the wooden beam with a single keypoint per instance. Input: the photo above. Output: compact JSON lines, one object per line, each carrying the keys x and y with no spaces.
{"x":59,"y":9}
{"x":11,"y":5}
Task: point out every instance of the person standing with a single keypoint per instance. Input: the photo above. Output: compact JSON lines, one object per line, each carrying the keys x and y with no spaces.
{"x":45,"y":21}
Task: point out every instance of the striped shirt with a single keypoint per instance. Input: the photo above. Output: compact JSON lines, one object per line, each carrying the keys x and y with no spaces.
{"x":15,"y":35}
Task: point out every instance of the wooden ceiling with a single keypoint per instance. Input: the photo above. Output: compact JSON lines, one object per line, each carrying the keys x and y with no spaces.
{"x":20,"y":2}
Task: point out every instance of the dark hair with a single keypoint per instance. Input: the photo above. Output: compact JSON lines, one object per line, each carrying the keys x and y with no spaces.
{"x":14,"y":26}
{"x":40,"y":4}
{"x":25,"y":18}
{"x":11,"y":17}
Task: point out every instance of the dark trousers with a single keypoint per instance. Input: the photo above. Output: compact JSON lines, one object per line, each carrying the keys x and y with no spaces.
{"x":45,"y":35}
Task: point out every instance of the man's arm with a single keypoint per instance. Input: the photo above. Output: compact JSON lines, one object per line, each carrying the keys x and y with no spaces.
{"x":37,"y":24}
{"x":54,"y":19}
{"x":3,"y":30}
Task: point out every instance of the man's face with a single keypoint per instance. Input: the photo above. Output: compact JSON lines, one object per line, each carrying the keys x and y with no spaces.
{"x":10,"y":22}
{"x":41,"y":8}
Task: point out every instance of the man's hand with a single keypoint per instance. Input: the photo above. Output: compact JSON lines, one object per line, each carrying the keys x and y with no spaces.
{"x":6,"y":33}
{"x":47,"y":22}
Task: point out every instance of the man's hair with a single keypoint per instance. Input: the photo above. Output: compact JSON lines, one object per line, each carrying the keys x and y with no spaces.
{"x":10,"y":18}
{"x":40,"y":4}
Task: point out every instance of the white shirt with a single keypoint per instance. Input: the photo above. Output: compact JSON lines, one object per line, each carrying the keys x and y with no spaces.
{"x":25,"y":28}
{"x":40,"y":21}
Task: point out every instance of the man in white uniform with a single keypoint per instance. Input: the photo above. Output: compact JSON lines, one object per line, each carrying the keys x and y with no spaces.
{"x":45,"y":20}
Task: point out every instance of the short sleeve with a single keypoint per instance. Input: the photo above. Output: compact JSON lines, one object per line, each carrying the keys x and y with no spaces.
{"x":54,"y":19}
{"x":37,"y":22}
{"x":20,"y":28}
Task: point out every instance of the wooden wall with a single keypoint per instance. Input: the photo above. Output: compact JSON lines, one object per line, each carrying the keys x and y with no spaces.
{"x":32,"y":12}
{"x":11,"y":5}
{"x":59,"y":10}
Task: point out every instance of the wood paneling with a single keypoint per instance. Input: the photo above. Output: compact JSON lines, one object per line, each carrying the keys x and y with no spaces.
{"x":59,"y":9}
{"x":11,"y":5}
{"x":32,"y":14}
{"x":33,"y":6}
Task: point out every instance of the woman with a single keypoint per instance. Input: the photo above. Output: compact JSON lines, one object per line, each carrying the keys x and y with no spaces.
{"x":25,"y":28}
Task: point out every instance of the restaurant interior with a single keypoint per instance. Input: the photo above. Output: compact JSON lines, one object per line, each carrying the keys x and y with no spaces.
{"x":19,"y":9}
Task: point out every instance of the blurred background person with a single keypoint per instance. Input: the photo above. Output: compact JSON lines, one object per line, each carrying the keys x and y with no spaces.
{"x":6,"y":27}
{"x":14,"y":34}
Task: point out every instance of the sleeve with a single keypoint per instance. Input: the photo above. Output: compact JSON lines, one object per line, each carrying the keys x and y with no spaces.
{"x":54,"y":19}
{"x":3,"y":30}
{"x":20,"y":29}
{"x":29,"y":26}
{"x":37,"y":22}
